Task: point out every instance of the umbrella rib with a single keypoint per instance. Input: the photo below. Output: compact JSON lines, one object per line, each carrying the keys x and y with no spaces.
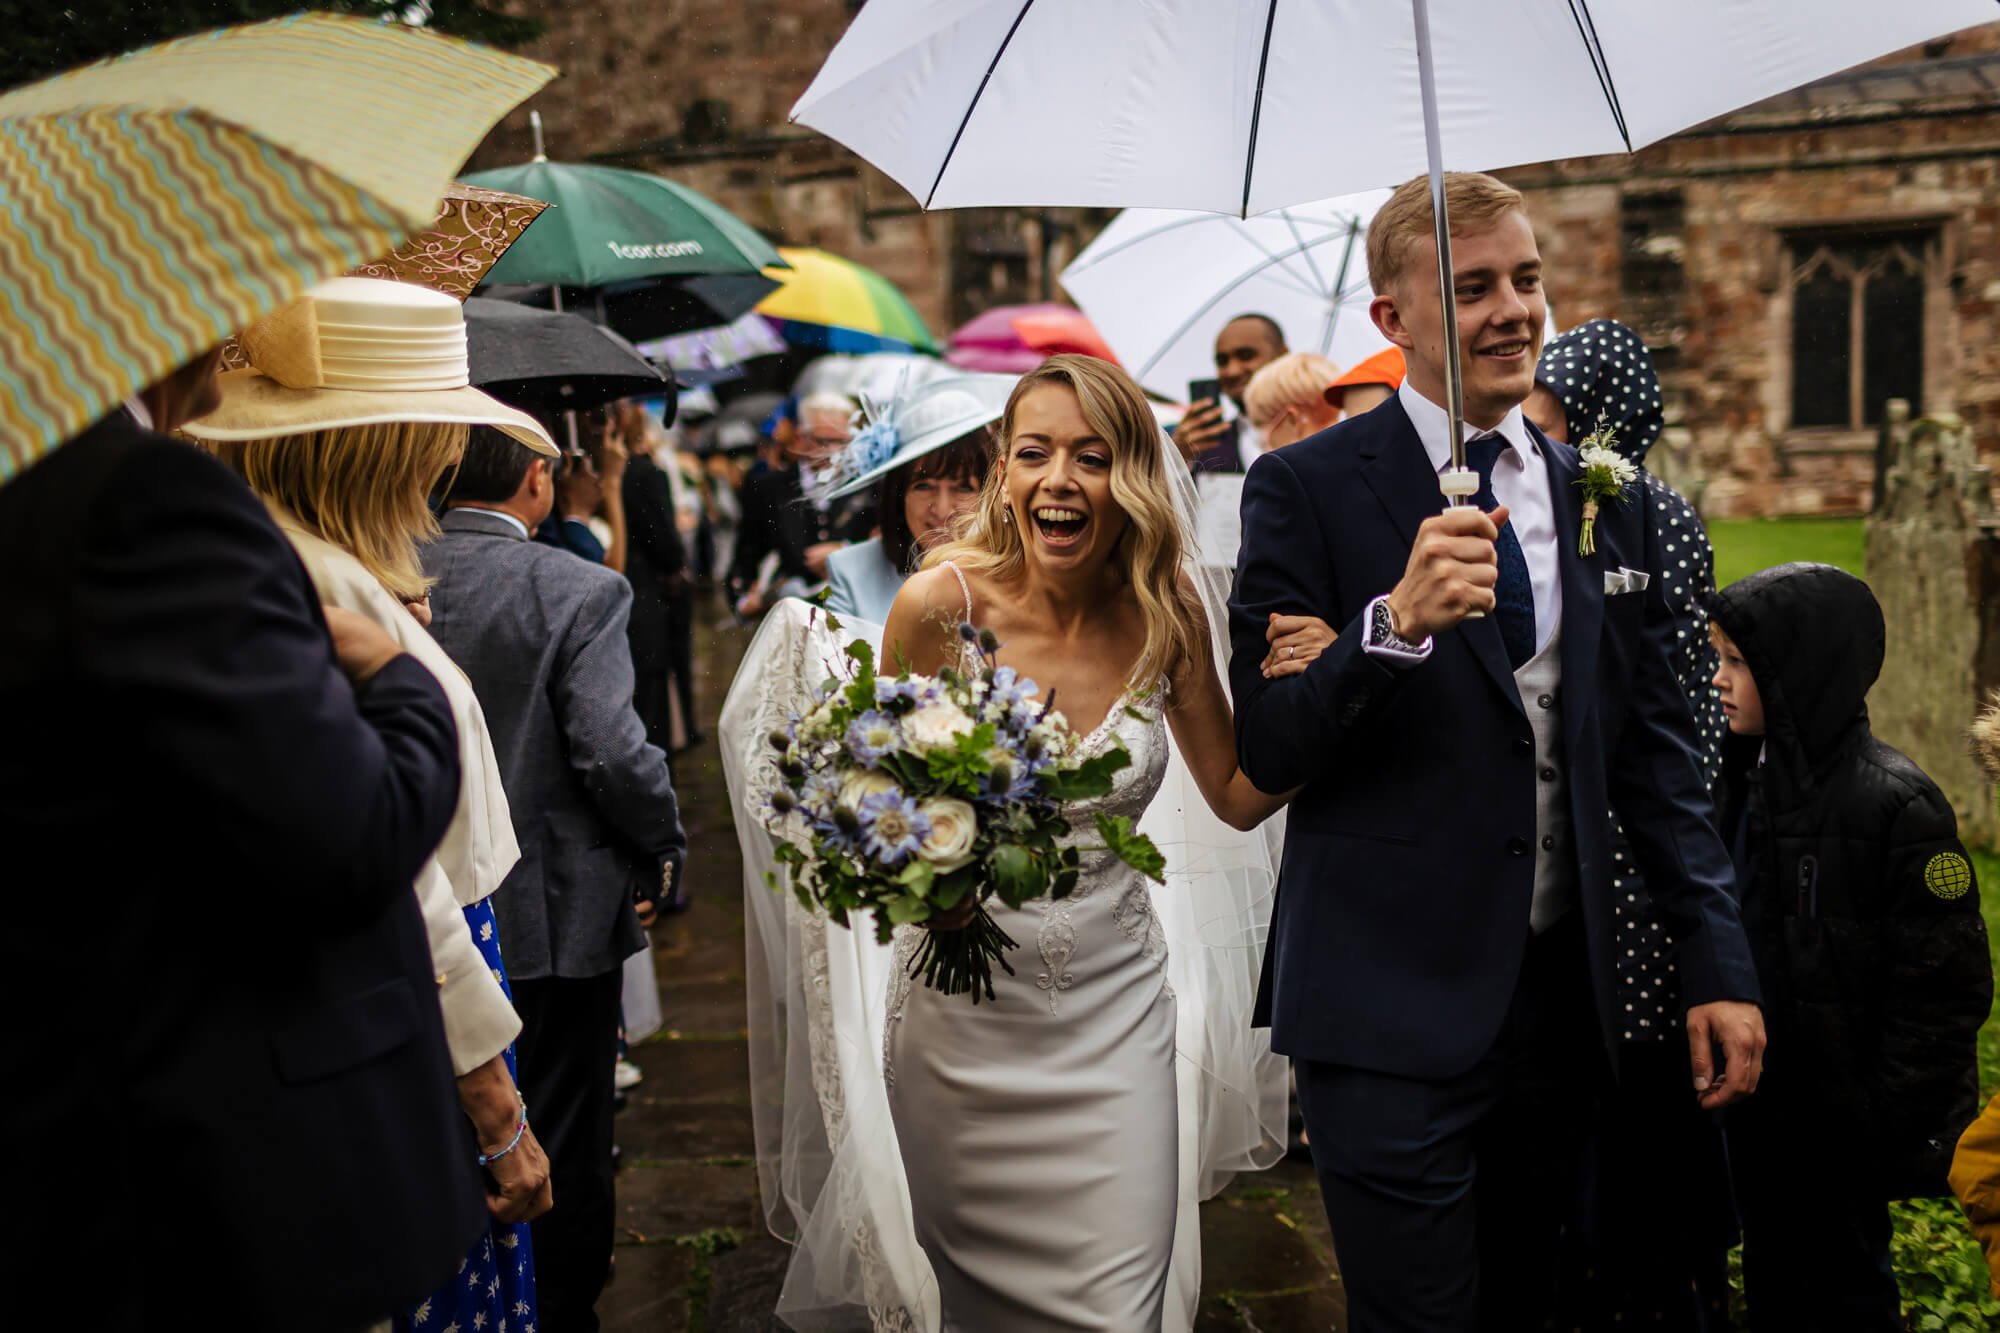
{"x":1586,"y":28}
{"x":973,"y":106}
{"x":1224,"y":290}
{"x":1257,"y":107}
{"x":1333,"y":305}
{"x":1312,"y":265}
{"x":1088,"y":260}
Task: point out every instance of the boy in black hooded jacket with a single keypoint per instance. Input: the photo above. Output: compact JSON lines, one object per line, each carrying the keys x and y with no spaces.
{"x":1864,"y":918}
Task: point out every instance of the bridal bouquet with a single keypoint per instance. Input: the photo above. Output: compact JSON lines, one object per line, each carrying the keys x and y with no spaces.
{"x":920,"y":794}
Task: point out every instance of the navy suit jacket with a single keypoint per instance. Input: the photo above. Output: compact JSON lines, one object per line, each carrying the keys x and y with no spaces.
{"x":1402,"y":909}
{"x":216,"y":996}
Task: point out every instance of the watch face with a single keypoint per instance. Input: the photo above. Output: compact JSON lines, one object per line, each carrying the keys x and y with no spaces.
{"x":1385,"y":627}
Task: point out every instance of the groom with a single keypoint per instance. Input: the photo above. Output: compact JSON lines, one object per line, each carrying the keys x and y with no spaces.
{"x":1439,"y":965}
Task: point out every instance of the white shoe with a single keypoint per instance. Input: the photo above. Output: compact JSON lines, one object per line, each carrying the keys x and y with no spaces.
{"x":625,"y":1075}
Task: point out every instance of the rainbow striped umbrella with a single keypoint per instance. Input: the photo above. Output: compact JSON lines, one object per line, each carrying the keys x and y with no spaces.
{"x":153,"y":204}
{"x":836,"y":305}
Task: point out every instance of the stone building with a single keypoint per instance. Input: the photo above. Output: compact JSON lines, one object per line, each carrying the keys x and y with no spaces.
{"x":1797,"y":264}
{"x":1792,"y":266}
{"x":700,"y":90}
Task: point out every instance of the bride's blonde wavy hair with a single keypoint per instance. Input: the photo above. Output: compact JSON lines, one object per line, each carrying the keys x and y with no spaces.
{"x":1150,"y":551}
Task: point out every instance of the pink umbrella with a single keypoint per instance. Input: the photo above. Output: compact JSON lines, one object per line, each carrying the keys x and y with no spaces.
{"x":1010,"y":339}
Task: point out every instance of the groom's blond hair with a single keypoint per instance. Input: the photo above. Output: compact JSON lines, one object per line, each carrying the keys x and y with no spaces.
{"x":1473,"y":201}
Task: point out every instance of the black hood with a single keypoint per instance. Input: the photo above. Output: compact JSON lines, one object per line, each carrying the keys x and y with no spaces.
{"x":1813,"y":637}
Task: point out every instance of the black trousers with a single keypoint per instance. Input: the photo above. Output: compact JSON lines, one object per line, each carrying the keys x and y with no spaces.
{"x":1448,"y":1199}
{"x":649,"y":631}
{"x":1660,"y":1212}
{"x":680,"y":656}
{"x":568,"y":1044}
{"x":1815,"y":1236}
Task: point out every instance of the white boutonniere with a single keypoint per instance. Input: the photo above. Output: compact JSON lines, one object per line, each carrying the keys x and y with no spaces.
{"x":1607,"y":476}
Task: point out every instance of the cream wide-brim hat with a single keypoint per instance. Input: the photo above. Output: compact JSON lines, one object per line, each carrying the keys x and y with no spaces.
{"x":359,"y":352}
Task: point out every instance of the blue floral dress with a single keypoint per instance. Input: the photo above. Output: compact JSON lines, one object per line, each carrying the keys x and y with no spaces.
{"x":494,"y":1288}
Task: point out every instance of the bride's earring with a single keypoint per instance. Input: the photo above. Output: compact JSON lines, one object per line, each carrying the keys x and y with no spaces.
{"x":1006,"y":516}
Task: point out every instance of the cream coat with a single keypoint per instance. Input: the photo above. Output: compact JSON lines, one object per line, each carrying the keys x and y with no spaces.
{"x":478,"y":849}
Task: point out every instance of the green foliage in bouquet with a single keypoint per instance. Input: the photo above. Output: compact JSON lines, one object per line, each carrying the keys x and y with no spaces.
{"x":922,"y":796}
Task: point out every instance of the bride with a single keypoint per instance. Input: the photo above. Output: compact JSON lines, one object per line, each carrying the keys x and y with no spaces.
{"x":1052,"y":1143}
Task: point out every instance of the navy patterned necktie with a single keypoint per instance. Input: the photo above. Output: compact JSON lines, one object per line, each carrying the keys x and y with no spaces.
{"x":1514,"y":595}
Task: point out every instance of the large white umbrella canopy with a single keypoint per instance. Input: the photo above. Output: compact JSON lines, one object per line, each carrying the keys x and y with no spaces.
{"x":1160,"y":283}
{"x":1243,"y":106}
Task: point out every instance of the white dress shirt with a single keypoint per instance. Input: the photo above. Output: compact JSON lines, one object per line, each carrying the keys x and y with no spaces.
{"x":501,"y":513}
{"x":1249,"y":442}
{"x":1521,"y":482}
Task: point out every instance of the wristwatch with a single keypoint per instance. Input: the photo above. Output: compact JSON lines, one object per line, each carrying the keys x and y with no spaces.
{"x":1381,"y":639}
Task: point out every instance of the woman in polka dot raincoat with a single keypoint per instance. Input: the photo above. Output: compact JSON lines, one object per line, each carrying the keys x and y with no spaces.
{"x":1654,"y":1250}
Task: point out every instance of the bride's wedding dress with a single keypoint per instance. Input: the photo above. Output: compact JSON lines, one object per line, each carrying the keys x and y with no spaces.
{"x":1038,"y":1130}
{"x":1036,"y":1162}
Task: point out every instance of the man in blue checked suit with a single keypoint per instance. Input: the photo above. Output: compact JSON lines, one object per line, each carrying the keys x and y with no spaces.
{"x":1439,"y":963}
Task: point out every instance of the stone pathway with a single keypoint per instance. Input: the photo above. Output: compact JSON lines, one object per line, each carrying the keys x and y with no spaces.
{"x":693,"y":1251}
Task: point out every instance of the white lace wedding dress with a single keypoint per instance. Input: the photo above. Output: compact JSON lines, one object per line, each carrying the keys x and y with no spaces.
{"x":1038,"y":1129}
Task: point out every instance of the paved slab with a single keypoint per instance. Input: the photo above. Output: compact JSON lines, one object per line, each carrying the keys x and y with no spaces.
{"x":693,"y":1253}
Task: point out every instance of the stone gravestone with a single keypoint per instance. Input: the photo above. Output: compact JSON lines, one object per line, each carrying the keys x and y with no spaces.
{"x":1933,"y":560}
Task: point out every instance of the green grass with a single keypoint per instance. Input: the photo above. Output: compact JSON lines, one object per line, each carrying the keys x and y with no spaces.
{"x":1938,"y":1263}
{"x":1746,"y":545}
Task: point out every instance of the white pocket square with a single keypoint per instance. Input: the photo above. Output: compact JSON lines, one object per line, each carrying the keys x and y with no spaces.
{"x":1622,"y":580}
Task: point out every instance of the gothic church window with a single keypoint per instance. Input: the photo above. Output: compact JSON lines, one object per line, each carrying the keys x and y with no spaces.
{"x":1857,"y":324}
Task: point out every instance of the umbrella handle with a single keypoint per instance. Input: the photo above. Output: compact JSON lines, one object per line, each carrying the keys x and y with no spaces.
{"x":1459,"y":485}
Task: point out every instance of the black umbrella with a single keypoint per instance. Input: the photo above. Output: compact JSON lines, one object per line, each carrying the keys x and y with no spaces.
{"x":546,"y":362}
{"x":650,"y":308}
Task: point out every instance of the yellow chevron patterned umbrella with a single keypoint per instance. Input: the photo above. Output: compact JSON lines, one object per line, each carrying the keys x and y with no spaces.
{"x":153,"y":204}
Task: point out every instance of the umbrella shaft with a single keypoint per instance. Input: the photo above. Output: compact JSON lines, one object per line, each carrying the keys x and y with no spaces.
{"x":1447,"y":291}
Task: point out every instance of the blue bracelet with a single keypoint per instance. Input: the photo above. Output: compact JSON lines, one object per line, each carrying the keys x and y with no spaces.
{"x":487,"y":1159}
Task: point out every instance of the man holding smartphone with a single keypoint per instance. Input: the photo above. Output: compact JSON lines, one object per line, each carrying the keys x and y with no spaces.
{"x":1246,"y":344}
{"x":1219,"y":452}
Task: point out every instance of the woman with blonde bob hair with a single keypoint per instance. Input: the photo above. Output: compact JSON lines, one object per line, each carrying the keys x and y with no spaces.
{"x":347,"y":472}
{"x":1043,"y":1134}
{"x":1286,"y":400}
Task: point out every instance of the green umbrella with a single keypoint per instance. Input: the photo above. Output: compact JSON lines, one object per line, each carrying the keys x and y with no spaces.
{"x":611,"y":226}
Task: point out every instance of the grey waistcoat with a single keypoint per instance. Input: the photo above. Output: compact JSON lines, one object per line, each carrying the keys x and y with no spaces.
{"x":1539,"y":680}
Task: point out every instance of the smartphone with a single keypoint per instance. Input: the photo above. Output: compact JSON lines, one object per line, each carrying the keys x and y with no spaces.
{"x":1204,"y":391}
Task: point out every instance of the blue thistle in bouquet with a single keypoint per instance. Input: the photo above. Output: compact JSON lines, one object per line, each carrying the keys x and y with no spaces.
{"x":910,"y":797}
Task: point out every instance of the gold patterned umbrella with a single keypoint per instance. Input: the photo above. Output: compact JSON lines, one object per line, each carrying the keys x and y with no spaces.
{"x":472,"y":230}
{"x":153,"y":204}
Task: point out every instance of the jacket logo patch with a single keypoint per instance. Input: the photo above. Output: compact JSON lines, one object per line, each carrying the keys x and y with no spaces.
{"x":1948,"y":876}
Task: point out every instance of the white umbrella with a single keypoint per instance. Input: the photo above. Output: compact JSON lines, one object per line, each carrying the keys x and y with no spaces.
{"x":1158,"y":284}
{"x":877,"y":376}
{"x":1243,"y":106}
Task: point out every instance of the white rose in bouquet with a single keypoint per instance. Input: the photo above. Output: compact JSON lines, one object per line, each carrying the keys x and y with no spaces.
{"x":936,"y":725}
{"x":860,"y":786}
{"x":954,"y":828}
{"x":1053,"y":735}
{"x":817,"y":725}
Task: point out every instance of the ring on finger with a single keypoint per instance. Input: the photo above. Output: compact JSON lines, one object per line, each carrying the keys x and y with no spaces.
{"x":1290,"y":652}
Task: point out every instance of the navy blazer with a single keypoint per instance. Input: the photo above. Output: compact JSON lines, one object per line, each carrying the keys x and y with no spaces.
{"x":225,"y":1068}
{"x":1402,"y":909}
